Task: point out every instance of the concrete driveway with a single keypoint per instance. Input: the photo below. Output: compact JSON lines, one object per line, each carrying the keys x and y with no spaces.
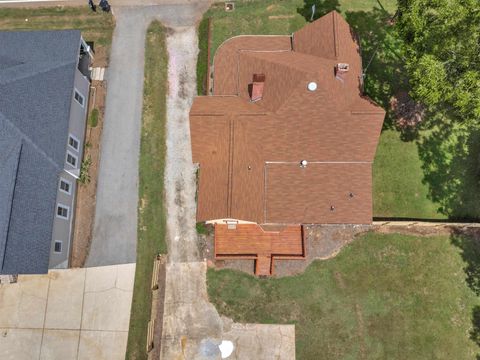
{"x":67,"y":314}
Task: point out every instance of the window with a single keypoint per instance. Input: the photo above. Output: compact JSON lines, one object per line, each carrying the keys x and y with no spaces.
{"x":62,"y":211}
{"x":79,"y":98}
{"x":65,"y":186}
{"x":58,"y":246}
{"x":73,"y":142}
{"x":72,"y":159}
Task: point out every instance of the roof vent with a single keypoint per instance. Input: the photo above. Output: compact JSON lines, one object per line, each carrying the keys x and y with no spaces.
{"x":303,"y":163}
{"x":231,"y":224}
{"x":256,"y":88}
{"x":312,"y":86}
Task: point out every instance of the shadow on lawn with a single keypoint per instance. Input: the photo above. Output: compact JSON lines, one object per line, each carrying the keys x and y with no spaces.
{"x":381,"y":46}
{"x":322,"y":7}
{"x":469,"y":243}
{"x":451,"y":166}
{"x":475,"y":332}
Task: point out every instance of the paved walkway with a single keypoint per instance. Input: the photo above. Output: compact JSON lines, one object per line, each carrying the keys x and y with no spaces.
{"x":67,"y":314}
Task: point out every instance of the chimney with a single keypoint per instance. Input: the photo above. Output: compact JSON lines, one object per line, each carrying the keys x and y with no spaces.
{"x":257,"y":87}
{"x":341,"y":70}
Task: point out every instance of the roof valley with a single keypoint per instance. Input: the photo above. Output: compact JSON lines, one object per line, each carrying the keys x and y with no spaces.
{"x":231,"y":145}
{"x":7,"y":229}
{"x":26,"y":138}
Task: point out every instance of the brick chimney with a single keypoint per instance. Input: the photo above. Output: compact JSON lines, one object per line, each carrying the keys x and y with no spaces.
{"x":257,"y":87}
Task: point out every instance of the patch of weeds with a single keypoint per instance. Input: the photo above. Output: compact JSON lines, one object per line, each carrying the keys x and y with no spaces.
{"x":85,"y":170}
{"x":93,"y":119}
{"x":202,"y":228}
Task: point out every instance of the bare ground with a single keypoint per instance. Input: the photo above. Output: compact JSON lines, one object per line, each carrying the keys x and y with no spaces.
{"x":86,"y":193}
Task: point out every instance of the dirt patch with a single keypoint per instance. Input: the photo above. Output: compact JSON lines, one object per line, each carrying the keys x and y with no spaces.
{"x":408,"y":112}
{"x":339,"y":278}
{"x":414,"y":230}
{"x":86,"y":193}
{"x":275,"y":17}
{"x":100,"y":58}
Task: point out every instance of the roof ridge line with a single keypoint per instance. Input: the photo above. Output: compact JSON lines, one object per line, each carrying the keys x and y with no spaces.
{"x":31,"y":142}
{"x":335,"y":33}
{"x":25,"y":75}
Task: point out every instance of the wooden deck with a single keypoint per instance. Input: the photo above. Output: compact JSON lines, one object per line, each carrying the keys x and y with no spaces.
{"x":250,"y":241}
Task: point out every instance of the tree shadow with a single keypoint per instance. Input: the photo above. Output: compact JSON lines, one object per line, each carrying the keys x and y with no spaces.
{"x":475,"y":332}
{"x":451,"y":166}
{"x":322,"y":7}
{"x":469,"y":243}
{"x":382,"y":58}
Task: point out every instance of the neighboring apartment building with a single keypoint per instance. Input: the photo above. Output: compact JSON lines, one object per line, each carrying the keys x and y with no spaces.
{"x":287,"y":138}
{"x":44,"y":90}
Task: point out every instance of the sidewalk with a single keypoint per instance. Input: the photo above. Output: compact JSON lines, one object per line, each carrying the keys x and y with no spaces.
{"x":67,"y":314}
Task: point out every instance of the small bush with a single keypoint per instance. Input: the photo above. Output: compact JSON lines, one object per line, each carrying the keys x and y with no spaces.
{"x":202,"y":228}
{"x":85,"y":170}
{"x":93,"y":119}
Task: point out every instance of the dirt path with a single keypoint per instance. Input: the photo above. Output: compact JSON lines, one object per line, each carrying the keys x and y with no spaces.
{"x":191,"y":323}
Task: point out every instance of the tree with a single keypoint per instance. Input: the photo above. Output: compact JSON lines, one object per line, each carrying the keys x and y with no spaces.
{"x":442,"y":39}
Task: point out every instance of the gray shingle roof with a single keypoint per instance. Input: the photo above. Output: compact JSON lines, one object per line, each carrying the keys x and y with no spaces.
{"x":37,"y":72}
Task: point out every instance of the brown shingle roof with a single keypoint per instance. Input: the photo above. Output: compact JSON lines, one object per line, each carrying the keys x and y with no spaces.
{"x":226,"y":58}
{"x":236,"y":141}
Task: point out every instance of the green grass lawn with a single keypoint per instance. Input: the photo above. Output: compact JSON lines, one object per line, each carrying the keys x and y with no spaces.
{"x":151,"y":212}
{"x":202,"y":63}
{"x":97,"y":27}
{"x":383,"y":297}
{"x":397,"y":180}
